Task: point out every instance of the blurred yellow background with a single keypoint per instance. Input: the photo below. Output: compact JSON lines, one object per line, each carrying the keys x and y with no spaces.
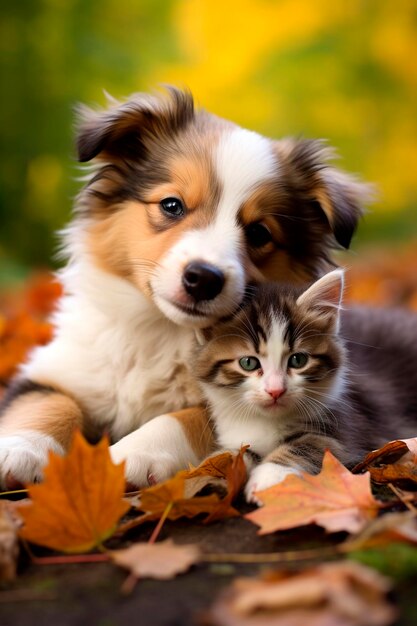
{"x":344,"y":71}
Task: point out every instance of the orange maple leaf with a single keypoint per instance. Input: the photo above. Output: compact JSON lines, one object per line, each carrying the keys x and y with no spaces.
{"x":80,"y":501}
{"x":335,"y":499}
{"x":23,"y":321}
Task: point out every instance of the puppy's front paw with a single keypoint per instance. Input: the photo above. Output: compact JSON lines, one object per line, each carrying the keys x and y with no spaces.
{"x":154,"y":452}
{"x":143,"y":468}
{"x":263,"y":476}
{"x":23,"y":457}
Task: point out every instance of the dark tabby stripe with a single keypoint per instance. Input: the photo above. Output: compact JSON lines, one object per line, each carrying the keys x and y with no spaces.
{"x":320,"y":370}
{"x":230,"y":378}
{"x":262,"y":334}
{"x":256,"y":458}
{"x":215,"y":369}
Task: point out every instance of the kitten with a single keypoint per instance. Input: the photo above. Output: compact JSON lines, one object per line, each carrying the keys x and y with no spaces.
{"x":291,"y":375}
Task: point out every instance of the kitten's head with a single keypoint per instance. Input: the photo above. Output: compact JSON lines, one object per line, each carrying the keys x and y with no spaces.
{"x":280,"y":353}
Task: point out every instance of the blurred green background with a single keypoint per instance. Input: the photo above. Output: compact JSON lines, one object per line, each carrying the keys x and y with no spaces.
{"x":345,"y":71}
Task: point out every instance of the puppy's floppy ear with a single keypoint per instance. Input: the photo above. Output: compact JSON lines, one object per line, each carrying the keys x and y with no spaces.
{"x":124,"y":128}
{"x":338,"y":195}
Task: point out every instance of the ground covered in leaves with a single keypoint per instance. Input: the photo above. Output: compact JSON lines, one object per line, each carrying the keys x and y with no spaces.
{"x":339,"y":549}
{"x":330,"y":549}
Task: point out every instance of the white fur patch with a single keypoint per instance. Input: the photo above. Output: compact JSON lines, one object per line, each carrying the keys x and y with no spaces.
{"x":115,"y":352}
{"x":243,"y":160}
{"x":158,"y":449}
{"x":219,"y":248}
{"x":24,"y":456}
{"x":273,"y":363}
{"x":266,"y":475}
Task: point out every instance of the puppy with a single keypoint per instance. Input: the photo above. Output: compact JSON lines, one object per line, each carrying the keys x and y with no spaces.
{"x":180,"y":211}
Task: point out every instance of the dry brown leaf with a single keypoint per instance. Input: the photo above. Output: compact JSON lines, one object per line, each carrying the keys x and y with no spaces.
{"x":80,"y":501}
{"x":211,"y":472}
{"x":335,"y":499}
{"x":395,"y":462}
{"x":235,"y":478}
{"x":175,"y":497}
{"x":9,"y":548}
{"x":214,"y":466}
{"x":332,"y":594}
{"x":162,"y":560}
{"x":156,"y":499}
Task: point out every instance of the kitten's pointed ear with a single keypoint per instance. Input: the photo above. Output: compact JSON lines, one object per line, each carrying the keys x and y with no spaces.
{"x":325,"y":294}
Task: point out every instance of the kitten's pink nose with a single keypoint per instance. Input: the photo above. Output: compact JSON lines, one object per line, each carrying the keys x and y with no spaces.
{"x":276,"y":392}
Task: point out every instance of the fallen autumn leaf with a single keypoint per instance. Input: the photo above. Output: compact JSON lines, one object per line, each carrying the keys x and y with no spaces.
{"x":162,"y":560}
{"x":80,"y":501}
{"x":175,"y":497}
{"x":335,"y":499}
{"x":395,"y":462}
{"x":332,"y":594}
{"x":9,"y":548}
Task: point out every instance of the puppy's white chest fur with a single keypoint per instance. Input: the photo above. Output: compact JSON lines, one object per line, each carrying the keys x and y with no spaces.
{"x":122,"y":360}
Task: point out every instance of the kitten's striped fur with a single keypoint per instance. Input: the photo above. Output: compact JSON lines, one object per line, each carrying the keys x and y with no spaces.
{"x":348,"y":397}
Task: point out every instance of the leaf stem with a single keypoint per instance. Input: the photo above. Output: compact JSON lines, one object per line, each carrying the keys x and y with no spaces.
{"x":159,"y":525}
{"x":129,"y":584}
{"x":70,"y":558}
{"x":10,"y":493}
{"x":410,"y":506}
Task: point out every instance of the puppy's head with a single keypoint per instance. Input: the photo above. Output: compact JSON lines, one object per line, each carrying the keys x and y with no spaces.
{"x":190,"y":208}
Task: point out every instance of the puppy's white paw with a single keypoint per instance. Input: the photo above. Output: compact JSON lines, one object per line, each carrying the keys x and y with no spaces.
{"x":266,"y":475}
{"x":154,"y":452}
{"x":143,"y":468}
{"x":23,"y":457}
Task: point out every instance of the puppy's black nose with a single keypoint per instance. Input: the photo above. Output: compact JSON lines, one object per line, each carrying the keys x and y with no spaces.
{"x":202,"y":280}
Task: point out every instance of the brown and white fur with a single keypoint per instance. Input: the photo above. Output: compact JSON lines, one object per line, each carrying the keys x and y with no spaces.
{"x":246,"y":209}
{"x":292,"y":377}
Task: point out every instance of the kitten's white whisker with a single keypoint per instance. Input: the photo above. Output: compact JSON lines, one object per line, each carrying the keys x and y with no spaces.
{"x":324,"y":407}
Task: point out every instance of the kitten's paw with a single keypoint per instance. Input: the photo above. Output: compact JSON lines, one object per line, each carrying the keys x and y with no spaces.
{"x":23,"y":457}
{"x":266,"y":475}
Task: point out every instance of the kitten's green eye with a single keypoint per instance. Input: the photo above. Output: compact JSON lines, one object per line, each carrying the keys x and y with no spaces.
{"x":297,"y":360}
{"x":249,"y":363}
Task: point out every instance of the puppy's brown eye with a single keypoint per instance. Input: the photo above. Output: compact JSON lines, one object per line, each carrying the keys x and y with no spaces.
{"x":258,"y":235}
{"x":172,"y":207}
